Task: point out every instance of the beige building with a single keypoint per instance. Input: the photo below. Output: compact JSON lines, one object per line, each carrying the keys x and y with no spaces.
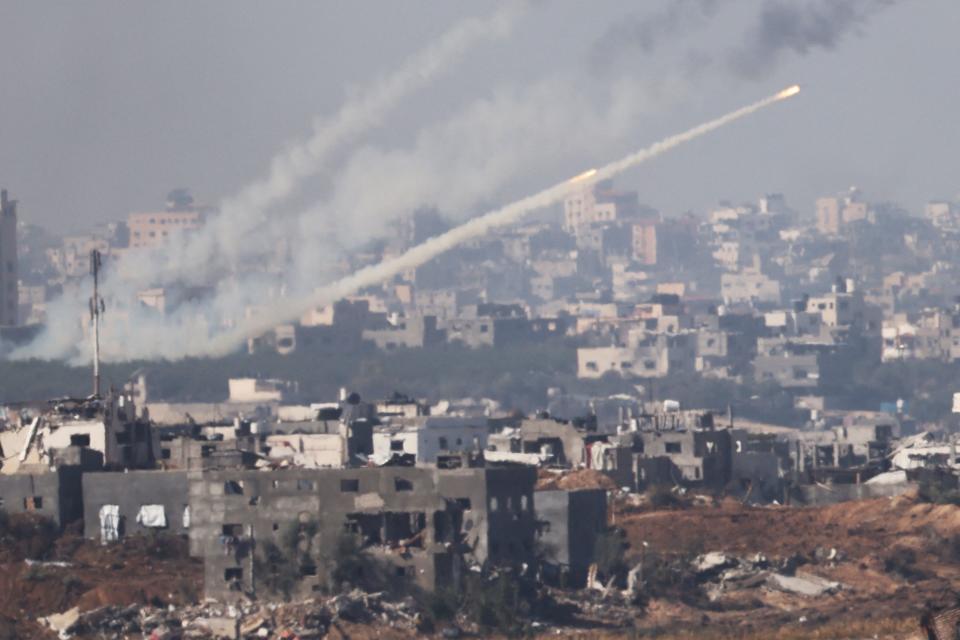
{"x":9,"y":297}
{"x":153,"y":229}
{"x":597,"y":203}
{"x":833,"y":213}
{"x":645,"y":243}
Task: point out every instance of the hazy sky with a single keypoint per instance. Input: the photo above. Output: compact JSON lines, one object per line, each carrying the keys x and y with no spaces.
{"x":109,"y":104}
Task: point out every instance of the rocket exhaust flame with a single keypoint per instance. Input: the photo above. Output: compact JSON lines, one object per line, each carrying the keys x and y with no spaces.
{"x":285,"y":311}
{"x":789,"y":92}
{"x":586,"y":175}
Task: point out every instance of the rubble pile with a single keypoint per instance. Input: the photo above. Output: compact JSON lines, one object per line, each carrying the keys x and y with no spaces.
{"x":303,"y":620}
{"x":721,"y":573}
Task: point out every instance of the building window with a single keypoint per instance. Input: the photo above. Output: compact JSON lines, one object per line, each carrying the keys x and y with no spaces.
{"x":34,"y":503}
{"x":233,"y":574}
{"x":402,"y":484}
{"x":164,"y":454}
{"x":442,"y":443}
{"x":673,"y":447}
{"x":349,"y":485}
{"x":305,"y":485}
{"x":80,"y":440}
{"x":233,"y":488}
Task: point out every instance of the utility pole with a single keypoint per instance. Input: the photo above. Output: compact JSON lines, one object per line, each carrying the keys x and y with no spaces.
{"x":96,"y":309}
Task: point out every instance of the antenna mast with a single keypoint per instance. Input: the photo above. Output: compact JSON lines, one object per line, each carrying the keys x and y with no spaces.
{"x":96,"y":309}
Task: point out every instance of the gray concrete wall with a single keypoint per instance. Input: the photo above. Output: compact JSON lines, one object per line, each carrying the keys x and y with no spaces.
{"x":569,"y":524}
{"x":815,"y":495}
{"x":59,"y":494}
{"x":130,"y":491}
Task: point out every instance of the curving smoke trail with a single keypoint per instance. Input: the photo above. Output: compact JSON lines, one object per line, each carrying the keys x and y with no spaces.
{"x":236,"y":235}
{"x":230,"y":236}
{"x":287,"y":310}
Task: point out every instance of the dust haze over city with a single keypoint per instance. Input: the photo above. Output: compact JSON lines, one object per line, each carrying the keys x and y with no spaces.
{"x":426,"y":319}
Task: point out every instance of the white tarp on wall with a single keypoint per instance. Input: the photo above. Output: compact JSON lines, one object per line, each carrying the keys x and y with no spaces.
{"x":152,"y":515}
{"x":109,"y":523}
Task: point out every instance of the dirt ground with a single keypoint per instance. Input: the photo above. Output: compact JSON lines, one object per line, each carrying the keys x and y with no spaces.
{"x":144,"y":571}
{"x":894,"y":557}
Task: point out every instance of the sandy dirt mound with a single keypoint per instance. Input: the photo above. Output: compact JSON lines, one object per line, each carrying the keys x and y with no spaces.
{"x":581,"y":479}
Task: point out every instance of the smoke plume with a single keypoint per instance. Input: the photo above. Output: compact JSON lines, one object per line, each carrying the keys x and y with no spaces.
{"x":798,"y":27}
{"x":231,"y":236}
{"x":288,"y":310}
{"x":483,"y":153}
{"x":646,"y":32}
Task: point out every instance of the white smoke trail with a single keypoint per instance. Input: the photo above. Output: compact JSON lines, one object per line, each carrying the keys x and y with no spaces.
{"x":230,"y":235}
{"x":287,"y":310}
{"x":234,"y":235}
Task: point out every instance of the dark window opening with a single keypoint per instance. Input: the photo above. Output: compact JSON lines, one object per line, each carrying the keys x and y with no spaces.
{"x":349,"y":485}
{"x":449,"y":462}
{"x":232,"y":530}
{"x":80,"y":440}
{"x":235,"y":573}
{"x":206,"y":451}
{"x":368,"y":525}
{"x":402,"y":484}
{"x":165,"y":454}
{"x":254,"y":501}
{"x":396,"y":445}
{"x":34,"y":503}
{"x":233,"y":488}
{"x":673,"y":447}
{"x":405,"y":528}
{"x":305,"y":485}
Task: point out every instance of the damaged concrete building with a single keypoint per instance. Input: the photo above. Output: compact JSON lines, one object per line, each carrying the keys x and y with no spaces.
{"x":422,"y":525}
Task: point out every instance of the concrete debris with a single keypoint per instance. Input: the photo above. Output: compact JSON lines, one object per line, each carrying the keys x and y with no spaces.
{"x":831,"y":555}
{"x":303,"y":620}
{"x":804,"y":585}
{"x":60,"y":623}
{"x":723,"y":573}
{"x":47,"y":563}
{"x":712,"y":562}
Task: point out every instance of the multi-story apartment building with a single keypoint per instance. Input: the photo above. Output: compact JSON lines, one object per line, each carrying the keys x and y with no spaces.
{"x":153,"y":229}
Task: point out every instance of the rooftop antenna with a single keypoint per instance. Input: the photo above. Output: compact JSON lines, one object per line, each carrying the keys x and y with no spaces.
{"x":96,"y":310}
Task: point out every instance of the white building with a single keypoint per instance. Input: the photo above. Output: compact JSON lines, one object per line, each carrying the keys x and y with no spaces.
{"x":428,"y":437}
